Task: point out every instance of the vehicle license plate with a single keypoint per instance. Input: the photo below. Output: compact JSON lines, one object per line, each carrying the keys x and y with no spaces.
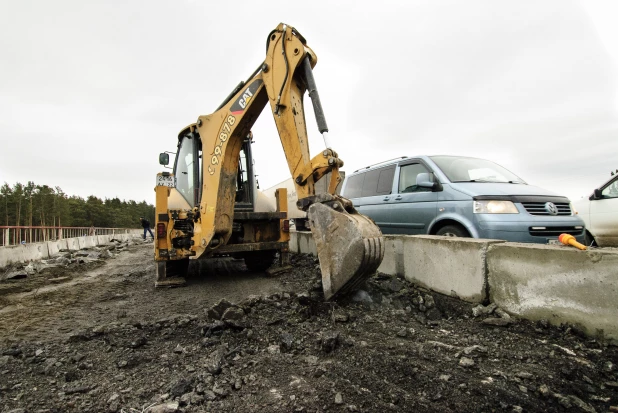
{"x":169,"y":181}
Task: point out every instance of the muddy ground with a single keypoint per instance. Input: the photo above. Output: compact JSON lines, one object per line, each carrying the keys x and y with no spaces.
{"x":95,"y":336}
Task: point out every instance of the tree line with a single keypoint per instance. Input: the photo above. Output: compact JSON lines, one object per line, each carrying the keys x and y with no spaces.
{"x":42,"y":205}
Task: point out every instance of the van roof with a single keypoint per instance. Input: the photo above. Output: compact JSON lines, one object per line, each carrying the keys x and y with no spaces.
{"x":393,"y":160}
{"x":381,"y":163}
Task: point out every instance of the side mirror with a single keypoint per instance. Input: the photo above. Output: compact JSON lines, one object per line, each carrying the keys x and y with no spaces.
{"x":164,"y":159}
{"x":427,"y":180}
{"x":596,"y":195}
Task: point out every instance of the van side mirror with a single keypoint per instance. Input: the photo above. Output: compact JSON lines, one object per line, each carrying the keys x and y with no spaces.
{"x":164,"y":159}
{"x":596,"y":195}
{"x":427,"y":180}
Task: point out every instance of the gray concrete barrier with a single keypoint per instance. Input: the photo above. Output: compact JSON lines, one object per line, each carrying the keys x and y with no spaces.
{"x":450,"y":266}
{"x":23,"y":253}
{"x":556,"y":283}
{"x":559,"y":284}
{"x":302,"y":242}
{"x":73,"y":244}
{"x":54,"y":247}
{"x":103,"y":239}
{"x":44,"y":250}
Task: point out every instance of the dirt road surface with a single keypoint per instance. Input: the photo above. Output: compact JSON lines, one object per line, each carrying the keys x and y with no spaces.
{"x":98,"y":337}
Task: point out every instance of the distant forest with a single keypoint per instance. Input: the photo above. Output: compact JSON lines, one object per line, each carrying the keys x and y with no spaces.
{"x":41,"y":205}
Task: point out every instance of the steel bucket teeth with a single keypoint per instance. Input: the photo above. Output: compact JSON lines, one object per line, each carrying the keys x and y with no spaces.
{"x":350,"y":248}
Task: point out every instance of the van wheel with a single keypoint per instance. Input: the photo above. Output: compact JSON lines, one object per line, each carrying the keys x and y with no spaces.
{"x":453,"y":231}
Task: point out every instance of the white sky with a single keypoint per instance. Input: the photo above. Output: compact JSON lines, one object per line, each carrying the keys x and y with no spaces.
{"x":91,"y":92}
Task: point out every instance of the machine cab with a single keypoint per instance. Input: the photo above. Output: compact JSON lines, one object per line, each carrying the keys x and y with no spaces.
{"x":188,"y":172}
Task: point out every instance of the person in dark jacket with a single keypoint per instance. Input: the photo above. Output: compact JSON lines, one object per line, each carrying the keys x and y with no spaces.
{"x":146,"y":226}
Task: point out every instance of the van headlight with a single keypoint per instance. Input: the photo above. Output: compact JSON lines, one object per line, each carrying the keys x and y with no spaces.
{"x":495,"y":207}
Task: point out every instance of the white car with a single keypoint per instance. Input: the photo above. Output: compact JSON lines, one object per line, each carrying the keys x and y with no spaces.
{"x":600,"y":213}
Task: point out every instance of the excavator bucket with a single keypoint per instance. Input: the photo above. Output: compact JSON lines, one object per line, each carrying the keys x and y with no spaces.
{"x":350,"y":246}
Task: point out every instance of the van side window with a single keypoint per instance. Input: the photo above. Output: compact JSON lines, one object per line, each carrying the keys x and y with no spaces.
{"x":378,"y":181}
{"x":407,"y":178}
{"x":354,"y":186}
{"x":385,"y":181}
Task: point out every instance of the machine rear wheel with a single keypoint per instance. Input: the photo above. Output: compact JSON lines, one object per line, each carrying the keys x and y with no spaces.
{"x":177,"y":268}
{"x":171,"y":273}
{"x":259,"y":260}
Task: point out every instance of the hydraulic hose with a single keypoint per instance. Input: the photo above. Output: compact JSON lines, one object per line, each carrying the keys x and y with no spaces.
{"x":287,"y":70}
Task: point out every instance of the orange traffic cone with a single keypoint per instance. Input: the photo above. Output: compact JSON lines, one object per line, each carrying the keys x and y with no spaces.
{"x":567,"y":239}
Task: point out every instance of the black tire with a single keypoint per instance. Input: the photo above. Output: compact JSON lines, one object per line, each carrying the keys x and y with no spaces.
{"x":178,"y":268}
{"x":453,"y":231}
{"x":259,"y":260}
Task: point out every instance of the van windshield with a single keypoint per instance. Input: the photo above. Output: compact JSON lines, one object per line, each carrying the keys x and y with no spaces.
{"x":462,"y":169}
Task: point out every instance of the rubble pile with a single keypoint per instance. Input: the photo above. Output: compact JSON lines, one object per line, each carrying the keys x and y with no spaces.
{"x":389,"y":347}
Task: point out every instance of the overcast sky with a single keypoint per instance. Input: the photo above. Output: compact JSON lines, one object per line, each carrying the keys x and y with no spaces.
{"x":91,"y":92}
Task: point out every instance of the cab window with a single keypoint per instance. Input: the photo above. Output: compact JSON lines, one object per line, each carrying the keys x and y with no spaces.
{"x":243,"y":193}
{"x":407,"y":178}
{"x":186,"y":170}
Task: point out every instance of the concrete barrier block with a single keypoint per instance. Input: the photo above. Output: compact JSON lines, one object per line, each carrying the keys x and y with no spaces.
{"x":392,"y":264}
{"x":301,"y":242}
{"x":451,"y":266}
{"x":306,"y":245}
{"x":33,"y":252}
{"x":62,"y":244}
{"x":88,"y":241}
{"x":53,"y":247}
{"x":124,"y":237}
{"x":72,"y":244}
{"x":103,"y":239}
{"x":9,"y":255}
{"x":293,"y":243}
{"x":559,"y":284}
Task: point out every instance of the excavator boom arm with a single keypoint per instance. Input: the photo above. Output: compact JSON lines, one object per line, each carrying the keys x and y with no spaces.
{"x":281,"y":83}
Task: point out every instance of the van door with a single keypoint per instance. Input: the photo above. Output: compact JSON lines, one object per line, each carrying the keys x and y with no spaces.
{"x":370,"y":193}
{"x":412,"y":208}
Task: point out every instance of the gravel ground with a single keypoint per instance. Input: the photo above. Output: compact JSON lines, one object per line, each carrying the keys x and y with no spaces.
{"x":96,"y":336}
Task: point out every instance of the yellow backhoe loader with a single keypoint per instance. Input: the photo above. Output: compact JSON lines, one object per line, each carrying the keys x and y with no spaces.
{"x":208,"y":205}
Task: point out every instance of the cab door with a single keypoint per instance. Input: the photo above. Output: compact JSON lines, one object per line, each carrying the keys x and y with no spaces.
{"x":412,"y":207}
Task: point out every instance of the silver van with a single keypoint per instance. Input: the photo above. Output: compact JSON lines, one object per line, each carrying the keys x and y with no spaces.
{"x":459,"y":197}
